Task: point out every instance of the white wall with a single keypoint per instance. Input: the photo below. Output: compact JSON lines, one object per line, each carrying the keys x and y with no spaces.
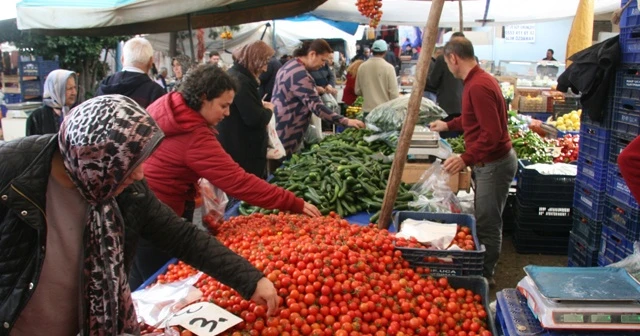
{"x":549,"y":35}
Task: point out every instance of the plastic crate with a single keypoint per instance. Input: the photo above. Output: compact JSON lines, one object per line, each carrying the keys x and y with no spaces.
{"x":594,"y":141}
{"x":39,"y":68}
{"x":561,"y":134}
{"x":592,"y":170}
{"x":31,"y":88}
{"x":515,"y":318}
{"x":603,"y":261}
{"x":587,"y":229}
{"x":580,"y":253}
{"x":12,"y":98}
{"x":617,"y":187}
{"x":480,"y":286}
{"x":615,"y":246}
{"x":627,"y":82}
{"x":539,"y":241}
{"x":530,"y":181}
{"x":626,"y":118}
{"x":625,"y":217}
{"x":461,"y":263}
{"x":616,"y":147}
{"x":630,"y":45}
{"x":589,"y":201}
{"x":631,"y":15}
{"x":550,"y":212}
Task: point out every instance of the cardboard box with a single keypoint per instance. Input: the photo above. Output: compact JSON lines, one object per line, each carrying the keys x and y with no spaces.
{"x":413,"y":171}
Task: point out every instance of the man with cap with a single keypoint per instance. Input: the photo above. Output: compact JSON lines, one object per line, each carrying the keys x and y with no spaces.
{"x":376,"y":80}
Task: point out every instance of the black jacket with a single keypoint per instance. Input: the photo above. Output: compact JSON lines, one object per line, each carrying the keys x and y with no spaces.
{"x":447,"y":88}
{"x":25,"y":166}
{"x":135,"y":85}
{"x":43,"y":121}
{"x":243,"y":134}
{"x":324,"y":76}
{"x":268,"y":78}
{"x":591,"y":73}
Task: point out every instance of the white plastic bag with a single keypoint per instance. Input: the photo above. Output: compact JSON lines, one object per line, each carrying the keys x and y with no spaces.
{"x":432,"y":192}
{"x":313,"y":134}
{"x":275,"y":150}
{"x":214,"y":202}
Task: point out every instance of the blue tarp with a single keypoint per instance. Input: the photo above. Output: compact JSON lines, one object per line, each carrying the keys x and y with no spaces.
{"x":347,"y":27}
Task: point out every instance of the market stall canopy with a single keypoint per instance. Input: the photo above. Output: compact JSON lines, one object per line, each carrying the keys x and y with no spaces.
{"x":415,"y":12}
{"x":126,"y":17}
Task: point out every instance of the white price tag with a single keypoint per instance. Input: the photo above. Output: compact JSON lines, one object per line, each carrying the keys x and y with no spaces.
{"x":204,"y":319}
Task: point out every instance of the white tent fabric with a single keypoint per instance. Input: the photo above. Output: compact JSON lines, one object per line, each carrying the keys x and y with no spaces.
{"x":69,"y":14}
{"x":415,"y":13}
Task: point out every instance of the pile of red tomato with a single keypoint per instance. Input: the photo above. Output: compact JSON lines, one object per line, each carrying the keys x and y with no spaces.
{"x":334,"y":278}
{"x":569,"y":147}
{"x":370,"y":9}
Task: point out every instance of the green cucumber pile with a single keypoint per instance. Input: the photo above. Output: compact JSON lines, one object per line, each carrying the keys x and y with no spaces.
{"x":339,"y":174}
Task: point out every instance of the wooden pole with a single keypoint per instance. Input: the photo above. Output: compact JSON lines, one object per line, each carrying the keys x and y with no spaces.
{"x":428,"y":44}
{"x":461,"y":17}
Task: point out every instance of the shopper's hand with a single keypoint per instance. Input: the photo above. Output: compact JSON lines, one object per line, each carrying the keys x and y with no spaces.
{"x":331,"y":90}
{"x":438,"y":126}
{"x":535,"y":123}
{"x":320,"y":90}
{"x":311,"y":210}
{"x":355,"y":123}
{"x":266,"y":294}
{"x":268,"y":105}
{"x":454,"y":164}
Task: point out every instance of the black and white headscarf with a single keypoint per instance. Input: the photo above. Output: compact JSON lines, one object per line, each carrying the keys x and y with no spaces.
{"x":102,"y":141}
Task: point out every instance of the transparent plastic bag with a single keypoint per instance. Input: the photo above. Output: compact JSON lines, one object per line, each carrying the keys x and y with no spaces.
{"x":313,"y":134}
{"x":391,"y":115}
{"x":432,"y":192}
{"x":390,"y":138}
{"x":214,"y":202}
{"x":330,"y":101}
{"x":631,"y":263}
{"x":275,"y":150}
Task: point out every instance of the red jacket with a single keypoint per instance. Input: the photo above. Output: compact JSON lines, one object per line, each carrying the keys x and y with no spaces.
{"x":483,"y":119}
{"x":629,"y":164}
{"x":349,"y":94}
{"x":190,"y":151}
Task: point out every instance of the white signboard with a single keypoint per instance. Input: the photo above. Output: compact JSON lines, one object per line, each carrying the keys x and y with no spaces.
{"x":520,"y":33}
{"x":205,"y":319}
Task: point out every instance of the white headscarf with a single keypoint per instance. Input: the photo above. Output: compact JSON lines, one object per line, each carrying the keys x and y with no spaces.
{"x":55,"y":90}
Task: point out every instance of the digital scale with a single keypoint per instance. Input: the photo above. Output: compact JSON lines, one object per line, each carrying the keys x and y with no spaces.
{"x":583,"y":298}
{"x":425,"y":144}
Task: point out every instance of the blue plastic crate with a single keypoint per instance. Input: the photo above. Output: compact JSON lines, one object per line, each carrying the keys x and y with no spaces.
{"x":630,"y":45}
{"x":616,"y":147}
{"x":626,"y":118}
{"x":39,"y":68}
{"x":31,"y":88}
{"x":461,"y":263}
{"x":593,"y":170}
{"x":624,"y":216}
{"x":617,"y":187}
{"x":589,"y":229}
{"x":630,"y":16}
{"x":589,"y":201}
{"x":627,"y":82}
{"x":12,"y":98}
{"x":580,"y":253}
{"x":603,"y":261}
{"x":615,"y":246}
{"x":561,"y":134}
{"x":594,"y":141}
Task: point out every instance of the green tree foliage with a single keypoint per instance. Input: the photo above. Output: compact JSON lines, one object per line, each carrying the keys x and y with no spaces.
{"x":80,"y":54}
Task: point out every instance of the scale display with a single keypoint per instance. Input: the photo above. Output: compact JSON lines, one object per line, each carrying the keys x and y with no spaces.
{"x":596,"y":318}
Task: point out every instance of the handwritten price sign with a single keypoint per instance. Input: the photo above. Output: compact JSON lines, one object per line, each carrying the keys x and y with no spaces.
{"x":204,"y":319}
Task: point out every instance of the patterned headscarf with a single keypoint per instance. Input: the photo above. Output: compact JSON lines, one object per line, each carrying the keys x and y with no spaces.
{"x":55,"y":90}
{"x":253,"y":56}
{"x":102,"y":141}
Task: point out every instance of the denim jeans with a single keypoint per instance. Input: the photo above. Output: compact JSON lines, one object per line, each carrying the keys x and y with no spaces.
{"x":492,"y":188}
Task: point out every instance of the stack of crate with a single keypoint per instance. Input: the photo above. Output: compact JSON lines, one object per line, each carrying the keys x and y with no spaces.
{"x":605,"y":212}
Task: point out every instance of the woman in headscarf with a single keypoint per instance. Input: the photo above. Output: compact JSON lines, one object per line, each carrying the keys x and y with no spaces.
{"x":60,"y":93}
{"x":181,"y":65}
{"x":64,"y":270}
{"x":243,"y":134}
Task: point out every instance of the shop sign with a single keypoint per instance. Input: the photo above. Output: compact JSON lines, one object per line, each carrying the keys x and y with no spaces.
{"x":520,"y":33}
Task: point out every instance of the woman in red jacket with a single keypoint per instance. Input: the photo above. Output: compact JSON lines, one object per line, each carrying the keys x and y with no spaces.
{"x":190,"y":151}
{"x":349,"y":95}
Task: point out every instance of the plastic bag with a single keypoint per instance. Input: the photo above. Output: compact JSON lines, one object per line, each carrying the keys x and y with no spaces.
{"x":390,"y":115}
{"x":390,"y":138}
{"x":214,"y":202}
{"x":313,"y":134}
{"x":275,"y":150}
{"x":631,"y":263}
{"x":432,"y":192}
{"x":330,"y":101}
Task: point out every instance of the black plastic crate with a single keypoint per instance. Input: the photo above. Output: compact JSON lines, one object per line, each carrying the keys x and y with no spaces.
{"x":589,"y":200}
{"x":565,"y":106}
{"x":580,"y":253}
{"x":552,"y":212}
{"x":480,"y":286}
{"x":616,"y":147}
{"x":531,"y":181}
{"x":624,"y":216}
{"x":617,"y":187}
{"x":593,"y":170}
{"x":31,"y":88}
{"x":590,"y":230}
{"x":509,"y":213}
{"x":443,"y":262}
{"x":535,"y":241}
